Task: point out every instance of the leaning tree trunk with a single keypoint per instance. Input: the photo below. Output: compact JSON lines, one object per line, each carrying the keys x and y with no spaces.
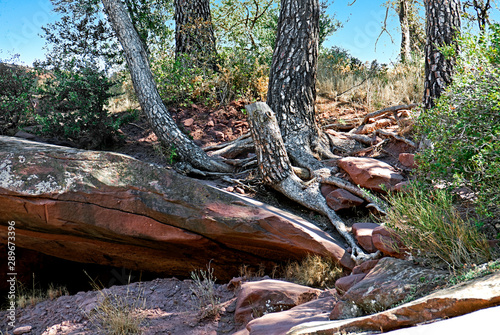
{"x":194,"y":35}
{"x":147,"y":92}
{"x":405,"y":31}
{"x":292,"y":81}
{"x":443,"y":26}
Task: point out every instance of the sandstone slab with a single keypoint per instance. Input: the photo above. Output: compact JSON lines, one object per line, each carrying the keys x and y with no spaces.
{"x":342,"y":199}
{"x":390,"y":282}
{"x":468,"y":297}
{"x":370,"y":173}
{"x":111,"y":209}
{"x":281,"y":322}
{"x":256,"y":299}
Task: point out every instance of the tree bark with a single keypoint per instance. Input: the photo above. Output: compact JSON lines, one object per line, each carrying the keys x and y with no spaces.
{"x":194,"y":35}
{"x":405,"y":51}
{"x":443,"y":26}
{"x":147,"y":93}
{"x":292,"y":81}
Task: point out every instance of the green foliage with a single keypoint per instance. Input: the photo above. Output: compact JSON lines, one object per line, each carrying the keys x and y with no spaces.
{"x":73,"y":107}
{"x":433,"y":230}
{"x":464,"y":127}
{"x":17,"y":90}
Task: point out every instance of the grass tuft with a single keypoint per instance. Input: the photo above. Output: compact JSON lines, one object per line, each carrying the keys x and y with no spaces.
{"x":313,"y":270}
{"x":203,"y":293}
{"x":433,"y":230}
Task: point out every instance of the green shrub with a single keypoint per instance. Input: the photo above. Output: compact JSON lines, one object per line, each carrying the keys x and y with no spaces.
{"x":17,"y":90}
{"x":433,"y":230}
{"x":73,"y":107}
{"x":464,"y":127}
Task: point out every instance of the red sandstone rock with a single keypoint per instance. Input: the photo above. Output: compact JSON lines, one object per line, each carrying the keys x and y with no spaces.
{"x":256,"y":299}
{"x":458,"y":300}
{"x":111,"y":209}
{"x":364,"y":267}
{"x":345,"y":283}
{"x":362,"y":231}
{"x":388,"y":242}
{"x":281,"y":322}
{"x":188,"y":122}
{"x":370,"y":173}
{"x":407,"y":160}
{"x":341,"y":199}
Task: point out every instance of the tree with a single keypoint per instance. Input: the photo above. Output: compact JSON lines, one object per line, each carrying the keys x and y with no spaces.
{"x":194,"y":35}
{"x":284,"y":130}
{"x":443,"y":26}
{"x":292,"y":80}
{"x":405,"y":31}
{"x":481,"y":8}
{"x":147,"y":92}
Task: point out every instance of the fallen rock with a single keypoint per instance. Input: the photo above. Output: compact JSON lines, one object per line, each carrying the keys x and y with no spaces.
{"x":370,"y":173}
{"x":188,"y":122}
{"x":281,"y":322}
{"x":345,"y":283}
{"x":259,"y":298}
{"x":362,"y":231}
{"x":365,"y":267}
{"x":111,"y":209}
{"x":458,"y":300}
{"x":390,"y":282}
{"x":341,"y":199}
{"x":388,"y":242}
{"x":407,"y":160}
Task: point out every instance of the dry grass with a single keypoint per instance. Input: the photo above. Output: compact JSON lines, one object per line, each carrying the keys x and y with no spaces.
{"x":33,"y":295}
{"x":118,"y":314}
{"x":372,"y":85}
{"x":433,"y":230}
{"x":203,"y":292}
{"x":313,"y":271}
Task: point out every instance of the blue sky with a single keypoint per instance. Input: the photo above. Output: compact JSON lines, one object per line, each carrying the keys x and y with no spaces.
{"x":21,"y":22}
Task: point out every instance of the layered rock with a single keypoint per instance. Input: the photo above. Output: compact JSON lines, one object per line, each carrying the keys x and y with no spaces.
{"x":110,"y":209}
{"x":458,"y":300}
{"x":370,"y":173}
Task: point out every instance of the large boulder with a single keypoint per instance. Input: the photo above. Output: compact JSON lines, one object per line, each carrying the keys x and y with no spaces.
{"x":111,"y":209}
{"x":392,"y":281}
{"x":370,"y":173}
{"x":458,"y":300}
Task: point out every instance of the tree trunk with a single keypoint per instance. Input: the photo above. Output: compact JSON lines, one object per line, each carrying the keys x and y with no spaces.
{"x":194,"y":35}
{"x":405,"y":52}
{"x":292,"y":81}
{"x":443,"y":26}
{"x":147,"y":92}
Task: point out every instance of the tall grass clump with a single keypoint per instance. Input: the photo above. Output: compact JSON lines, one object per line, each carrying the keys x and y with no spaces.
{"x":117,"y":314}
{"x":375,"y":85}
{"x":433,"y":230}
{"x":203,"y":293}
{"x":464,"y":127}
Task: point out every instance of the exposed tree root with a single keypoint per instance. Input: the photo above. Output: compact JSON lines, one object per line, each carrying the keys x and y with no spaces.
{"x":232,"y":149}
{"x":393,"y":109}
{"x":396,"y":136}
{"x":277,"y":171}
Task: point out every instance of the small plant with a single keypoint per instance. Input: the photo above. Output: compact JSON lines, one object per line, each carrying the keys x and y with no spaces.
{"x":73,"y":107}
{"x":118,"y":314}
{"x":17,"y":96}
{"x":203,"y":293}
{"x":431,"y":227}
{"x":32,"y":296}
{"x":313,"y":270}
